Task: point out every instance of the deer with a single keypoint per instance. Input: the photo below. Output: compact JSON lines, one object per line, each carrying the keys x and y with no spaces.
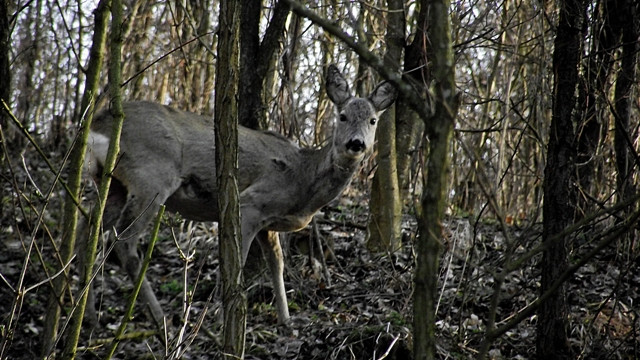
{"x":167,"y":156}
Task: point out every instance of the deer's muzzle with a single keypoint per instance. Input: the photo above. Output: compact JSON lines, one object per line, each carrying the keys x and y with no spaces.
{"x":356,"y":145}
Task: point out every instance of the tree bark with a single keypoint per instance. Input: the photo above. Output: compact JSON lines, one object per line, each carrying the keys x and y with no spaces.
{"x":384,"y":231}
{"x":627,"y":14}
{"x":226,"y":133}
{"x":559,"y":191}
{"x":250,"y":108}
{"x":255,"y":57}
{"x":591,"y":110}
{"x":5,"y":78}
{"x":5,"y":74}
{"x":115,"y":79}
{"x":67,"y":245}
{"x":409,"y":127}
{"x":439,"y":129}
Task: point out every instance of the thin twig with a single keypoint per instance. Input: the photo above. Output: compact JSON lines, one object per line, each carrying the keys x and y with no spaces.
{"x":44,"y":157}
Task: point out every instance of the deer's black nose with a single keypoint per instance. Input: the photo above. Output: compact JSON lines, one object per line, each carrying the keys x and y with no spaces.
{"x":355,"y":145}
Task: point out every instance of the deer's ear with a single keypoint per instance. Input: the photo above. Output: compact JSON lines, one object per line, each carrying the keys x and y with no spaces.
{"x":383,"y":96}
{"x":337,"y":87}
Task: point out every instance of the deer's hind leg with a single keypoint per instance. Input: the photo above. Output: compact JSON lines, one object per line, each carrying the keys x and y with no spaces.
{"x":135,"y":216}
{"x":144,"y":197}
{"x":116,"y":200}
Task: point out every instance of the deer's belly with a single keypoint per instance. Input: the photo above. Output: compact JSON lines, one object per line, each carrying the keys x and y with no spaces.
{"x":194,"y":203}
{"x":290,"y":223}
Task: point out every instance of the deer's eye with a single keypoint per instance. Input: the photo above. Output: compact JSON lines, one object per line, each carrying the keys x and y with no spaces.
{"x":343,"y":117}
{"x":372,"y":121}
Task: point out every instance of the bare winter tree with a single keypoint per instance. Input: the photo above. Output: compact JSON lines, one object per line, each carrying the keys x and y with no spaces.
{"x":226,"y":133}
{"x":559,"y":193}
{"x":5,"y":75}
{"x":384,"y":228}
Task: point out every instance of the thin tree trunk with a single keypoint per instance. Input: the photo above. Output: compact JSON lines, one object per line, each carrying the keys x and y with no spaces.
{"x":409,"y":134}
{"x":384,"y":228}
{"x":559,"y":192}
{"x":234,"y":297}
{"x":591,"y":104}
{"x":5,"y":79}
{"x":67,"y":245}
{"x":627,"y":12}
{"x":409,"y":127}
{"x":384,"y":232}
{"x":115,"y":79}
{"x":255,"y":57}
{"x":440,"y":129}
{"x":5,"y":74}
{"x":250,"y":109}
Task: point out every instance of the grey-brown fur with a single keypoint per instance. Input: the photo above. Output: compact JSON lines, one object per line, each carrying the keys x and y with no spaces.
{"x":167,"y":157}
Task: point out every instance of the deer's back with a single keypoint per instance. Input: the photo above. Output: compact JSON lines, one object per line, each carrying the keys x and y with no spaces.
{"x":162,"y":147}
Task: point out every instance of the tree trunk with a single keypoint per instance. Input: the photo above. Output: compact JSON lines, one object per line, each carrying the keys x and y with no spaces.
{"x":67,"y":245}
{"x":440,"y":129}
{"x":250,"y":109}
{"x":626,"y":12}
{"x":409,"y":127}
{"x":384,"y":229}
{"x":255,"y":57}
{"x":559,"y":192}
{"x":409,"y":134}
{"x":234,"y":296}
{"x":592,"y":103}
{"x":115,"y":79}
{"x":5,"y":74}
{"x":5,"y":78}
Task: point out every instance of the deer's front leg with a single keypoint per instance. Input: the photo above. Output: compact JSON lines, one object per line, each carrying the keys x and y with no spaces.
{"x":270,"y":244}
{"x":250,"y":225}
{"x":252,"y":228}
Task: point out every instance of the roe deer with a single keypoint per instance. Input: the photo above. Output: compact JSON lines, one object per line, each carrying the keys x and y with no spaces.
{"x":167,"y":157}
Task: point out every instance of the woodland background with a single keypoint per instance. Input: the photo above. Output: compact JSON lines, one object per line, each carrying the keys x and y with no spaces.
{"x":538,"y":256}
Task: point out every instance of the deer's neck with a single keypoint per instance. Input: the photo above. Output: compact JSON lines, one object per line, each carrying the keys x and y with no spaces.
{"x":330,"y":177}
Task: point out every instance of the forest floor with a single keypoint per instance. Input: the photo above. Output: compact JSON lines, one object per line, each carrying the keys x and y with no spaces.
{"x":364,"y":312}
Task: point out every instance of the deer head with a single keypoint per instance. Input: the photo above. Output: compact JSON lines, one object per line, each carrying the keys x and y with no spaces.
{"x":355,"y":131}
